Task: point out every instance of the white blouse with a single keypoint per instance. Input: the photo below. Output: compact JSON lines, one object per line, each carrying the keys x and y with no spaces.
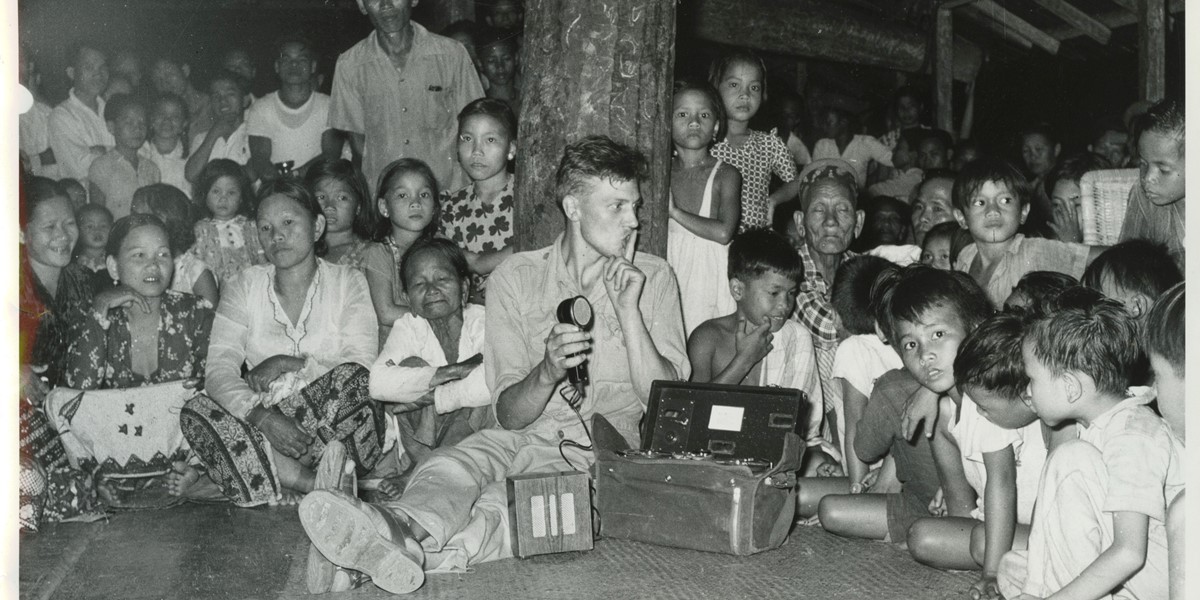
{"x":336,"y":325}
{"x":412,"y":336}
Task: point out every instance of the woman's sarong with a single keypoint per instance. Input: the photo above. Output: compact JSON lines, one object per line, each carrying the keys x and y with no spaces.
{"x":335,"y":406}
{"x":49,"y":489}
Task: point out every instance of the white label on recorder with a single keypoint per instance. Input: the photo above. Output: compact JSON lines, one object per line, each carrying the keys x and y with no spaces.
{"x":568,"y":514}
{"x":537,"y":515}
{"x":553,"y":515}
{"x":726,"y":418}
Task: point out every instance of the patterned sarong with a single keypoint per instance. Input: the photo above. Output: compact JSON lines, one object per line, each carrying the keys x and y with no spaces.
{"x":335,"y":406}
{"x":50,"y":490}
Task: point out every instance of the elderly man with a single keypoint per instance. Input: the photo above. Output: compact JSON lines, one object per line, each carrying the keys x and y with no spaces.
{"x":829,"y":222}
{"x":454,"y":512}
{"x":397,"y":93}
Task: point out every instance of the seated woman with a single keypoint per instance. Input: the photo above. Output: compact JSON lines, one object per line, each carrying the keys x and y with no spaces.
{"x":432,"y":363}
{"x":51,"y":287}
{"x":172,"y":206}
{"x":140,"y":333}
{"x":305,"y":330}
{"x":135,"y":334}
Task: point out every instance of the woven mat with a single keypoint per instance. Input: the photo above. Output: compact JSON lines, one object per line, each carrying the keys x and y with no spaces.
{"x":219,"y":551}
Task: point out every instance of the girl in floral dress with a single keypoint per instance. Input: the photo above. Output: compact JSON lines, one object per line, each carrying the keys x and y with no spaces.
{"x":740,"y":79}
{"x":479,"y":217}
{"x":226,"y":240}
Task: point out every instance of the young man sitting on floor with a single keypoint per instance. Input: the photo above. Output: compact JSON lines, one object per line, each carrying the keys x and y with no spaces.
{"x":454,"y":511}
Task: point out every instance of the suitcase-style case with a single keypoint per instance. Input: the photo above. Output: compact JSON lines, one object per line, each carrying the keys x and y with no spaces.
{"x":702,"y":480}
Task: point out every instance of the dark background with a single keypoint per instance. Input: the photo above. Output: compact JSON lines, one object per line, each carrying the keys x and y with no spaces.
{"x":1015,"y":88}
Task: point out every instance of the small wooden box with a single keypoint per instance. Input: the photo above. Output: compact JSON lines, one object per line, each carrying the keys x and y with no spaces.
{"x":550,"y":512}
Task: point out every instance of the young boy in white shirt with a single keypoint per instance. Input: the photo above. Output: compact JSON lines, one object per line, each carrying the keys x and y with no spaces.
{"x":1099,"y":521}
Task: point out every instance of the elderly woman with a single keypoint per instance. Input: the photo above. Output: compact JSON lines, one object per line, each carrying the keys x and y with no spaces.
{"x":305,"y":330}
{"x":51,"y":288}
{"x":431,"y":365}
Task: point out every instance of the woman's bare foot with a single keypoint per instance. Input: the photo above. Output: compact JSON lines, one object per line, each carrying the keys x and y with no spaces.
{"x":108,"y":492}
{"x":187,"y":481}
{"x":290,"y":497}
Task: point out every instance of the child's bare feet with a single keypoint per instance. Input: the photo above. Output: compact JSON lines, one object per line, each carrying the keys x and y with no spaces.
{"x":186,"y":481}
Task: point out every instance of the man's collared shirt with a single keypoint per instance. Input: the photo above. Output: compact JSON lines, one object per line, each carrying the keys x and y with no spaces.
{"x":405,"y":113}
{"x":74,"y":129}
{"x":523,"y":296}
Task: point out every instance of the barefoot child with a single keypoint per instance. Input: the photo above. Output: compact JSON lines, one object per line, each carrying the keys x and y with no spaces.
{"x":861,"y":358}
{"x":1098,"y":525}
{"x":740,"y":79}
{"x":227,"y":240}
{"x":926,"y":312}
{"x":1002,"y":446}
{"x":1164,"y":335}
{"x":992,"y":200}
{"x":758,"y":344}
{"x":704,"y":206}
{"x":479,"y":217}
{"x":408,"y":200}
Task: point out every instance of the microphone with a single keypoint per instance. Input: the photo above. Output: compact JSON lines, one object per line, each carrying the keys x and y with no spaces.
{"x":577,"y":311}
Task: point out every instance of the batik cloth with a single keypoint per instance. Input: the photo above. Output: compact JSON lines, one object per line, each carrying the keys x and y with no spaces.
{"x":335,"y":406}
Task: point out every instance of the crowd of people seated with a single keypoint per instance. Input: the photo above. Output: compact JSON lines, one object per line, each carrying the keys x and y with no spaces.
{"x":332,"y":280}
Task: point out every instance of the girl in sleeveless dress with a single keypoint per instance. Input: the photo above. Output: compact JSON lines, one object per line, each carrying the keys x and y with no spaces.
{"x":705,"y":206}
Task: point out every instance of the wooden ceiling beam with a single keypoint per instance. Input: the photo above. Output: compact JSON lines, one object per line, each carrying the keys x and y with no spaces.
{"x":1008,"y":20}
{"x":1078,"y":19}
{"x":1129,"y":5}
{"x":1112,"y":20}
{"x":953,"y":4}
{"x":982,"y":19}
{"x":823,"y":30}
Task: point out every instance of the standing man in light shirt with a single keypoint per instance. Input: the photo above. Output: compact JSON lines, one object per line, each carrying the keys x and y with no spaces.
{"x":78,"y":132}
{"x":397,"y":94}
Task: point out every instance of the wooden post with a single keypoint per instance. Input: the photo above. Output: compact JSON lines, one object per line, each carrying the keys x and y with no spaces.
{"x":1152,"y":49}
{"x":593,"y":67}
{"x":944,"y":70}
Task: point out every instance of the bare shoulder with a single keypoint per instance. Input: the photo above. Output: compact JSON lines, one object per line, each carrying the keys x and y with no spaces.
{"x":714,"y":332}
{"x":727,"y":174}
